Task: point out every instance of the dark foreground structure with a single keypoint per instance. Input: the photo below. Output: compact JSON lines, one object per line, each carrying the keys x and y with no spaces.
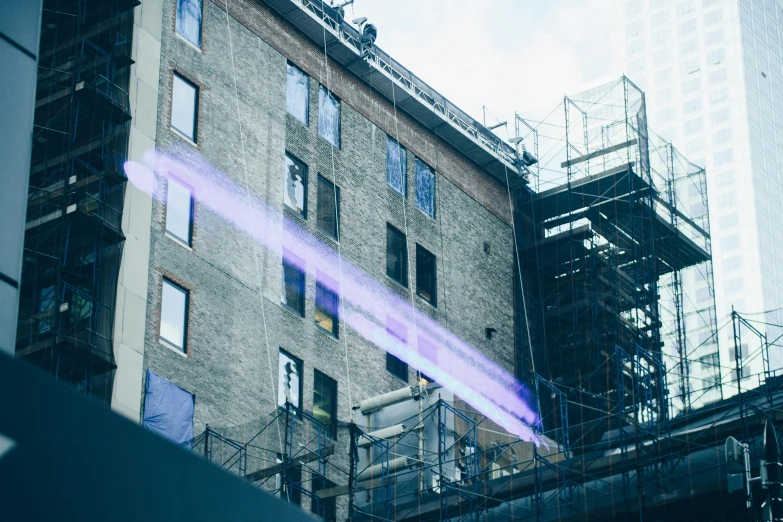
{"x":328,"y":279}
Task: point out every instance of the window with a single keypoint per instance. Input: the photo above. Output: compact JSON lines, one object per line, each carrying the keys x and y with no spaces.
{"x":189,"y":20}
{"x":691,"y":106}
{"x":721,"y":116}
{"x":184,"y":100}
{"x":179,"y":211}
{"x":719,"y":96}
{"x":168,"y":409}
{"x":733,"y":286}
{"x":714,"y":36}
{"x":687,"y":27}
{"x":328,"y":211}
{"x":46,"y":305}
{"x":295,"y":189}
{"x":325,"y":401}
{"x":293,"y":486}
{"x":327,"y":303}
{"x":715,"y":57}
{"x":324,"y":508}
{"x":396,"y":165}
{"x":723,"y":157}
{"x":713,"y":17}
{"x":297,"y":93}
{"x":396,"y":255}
{"x":692,"y":126}
{"x":691,"y":86}
{"x":727,"y":200}
{"x":730,"y":242}
{"x":328,"y":117}
{"x":394,"y":364}
{"x":722,"y":136}
{"x":173,"y":315}
{"x":293,"y":282}
{"x":289,"y":380}
{"x":425,"y":188}
{"x":733,"y":263}
{"x":689,"y":46}
{"x":718,"y":76}
{"x":425,"y":275}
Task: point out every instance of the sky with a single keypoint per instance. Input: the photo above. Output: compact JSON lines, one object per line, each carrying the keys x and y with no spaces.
{"x":509,"y":55}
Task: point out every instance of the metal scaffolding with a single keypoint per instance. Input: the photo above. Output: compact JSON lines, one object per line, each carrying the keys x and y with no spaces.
{"x":73,"y":236}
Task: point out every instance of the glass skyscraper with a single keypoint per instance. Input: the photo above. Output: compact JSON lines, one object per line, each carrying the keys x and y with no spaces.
{"x":712,"y":71}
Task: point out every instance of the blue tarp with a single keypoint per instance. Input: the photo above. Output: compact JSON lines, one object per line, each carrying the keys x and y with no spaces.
{"x":168,"y":409}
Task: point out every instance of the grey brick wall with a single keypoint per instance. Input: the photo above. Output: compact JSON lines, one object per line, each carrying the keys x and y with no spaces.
{"x":227,"y":366}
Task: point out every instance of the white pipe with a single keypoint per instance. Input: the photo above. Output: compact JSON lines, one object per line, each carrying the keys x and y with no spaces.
{"x":395,"y":465}
{"x":382,"y":434}
{"x":379,"y":402}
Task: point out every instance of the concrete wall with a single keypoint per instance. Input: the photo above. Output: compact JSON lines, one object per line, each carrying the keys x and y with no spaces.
{"x":131,"y":308}
{"x":20,"y":29}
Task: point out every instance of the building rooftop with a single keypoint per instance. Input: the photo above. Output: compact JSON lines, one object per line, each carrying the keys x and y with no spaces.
{"x":325,"y":26}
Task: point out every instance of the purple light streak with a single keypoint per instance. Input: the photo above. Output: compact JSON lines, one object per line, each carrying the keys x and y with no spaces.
{"x":437,"y":352}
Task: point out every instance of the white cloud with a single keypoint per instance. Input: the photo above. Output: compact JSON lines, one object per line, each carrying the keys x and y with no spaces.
{"x":510,"y":55}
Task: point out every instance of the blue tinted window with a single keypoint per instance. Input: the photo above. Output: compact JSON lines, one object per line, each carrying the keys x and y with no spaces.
{"x":297,"y":88}
{"x":189,"y":20}
{"x":328,"y":117}
{"x":425,"y":189}
{"x":396,"y":162}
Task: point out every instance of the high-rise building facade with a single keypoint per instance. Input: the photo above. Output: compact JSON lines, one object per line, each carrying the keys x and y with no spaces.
{"x":712,"y":72}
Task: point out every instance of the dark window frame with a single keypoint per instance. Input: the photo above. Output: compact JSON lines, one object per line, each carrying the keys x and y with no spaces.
{"x":403,"y":166}
{"x":306,"y":123}
{"x":423,"y":252}
{"x":335,"y":200}
{"x":300,"y":366}
{"x":392,"y":231}
{"x":185,"y":321}
{"x":331,"y":428}
{"x":330,"y":94}
{"x":302,"y":284}
{"x":416,"y":170}
{"x":330,"y":504}
{"x":321,"y":291}
{"x":305,"y":178}
{"x":189,"y":241}
{"x":394,"y":365}
{"x":196,"y":101}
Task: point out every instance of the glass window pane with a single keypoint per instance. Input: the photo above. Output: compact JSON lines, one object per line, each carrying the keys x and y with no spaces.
{"x":396,"y":255}
{"x":189,"y":20}
{"x":183,"y":107}
{"x":289,"y":380}
{"x":396,"y":162}
{"x":178,"y":211}
{"x":327,"y":303}
{"x":394,"y":364}
{"x":293,"y":282}
{"x":425,"y":275}
{"x":325,"y":401}
{"x":328,"y":211}
{"x":295,"y":183}
{"x":173,"y":311}
{"x":328,"y":117}
{"x":297,"y":89}
{"x":425,"y":189}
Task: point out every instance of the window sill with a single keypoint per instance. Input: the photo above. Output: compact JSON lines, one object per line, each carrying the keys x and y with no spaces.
{"x":326,"y":332}
{"x":188,"y":42}
{"x":179,"y":242}
{"x":397,"y":283}
{"x":181,"y":135}
{"x":173,"y":348}
{"x":428,"y":303}
{"x":327,"y":235}
{"x":295,"y":213}
{"x":425,"y":214}
{"x":292,"y":310}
